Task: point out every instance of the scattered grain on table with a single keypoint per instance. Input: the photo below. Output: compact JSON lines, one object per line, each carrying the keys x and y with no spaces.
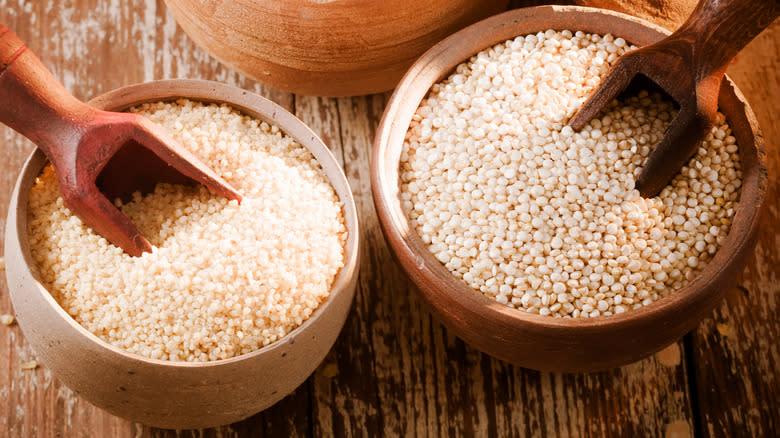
{"x":678,"y":429}
{"x":669,"y":356}
{"x":330,"y":370}
{"x":7,"y":319}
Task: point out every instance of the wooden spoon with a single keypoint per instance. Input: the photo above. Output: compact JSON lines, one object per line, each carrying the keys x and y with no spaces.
{"x":689,"y":65}
{"x":93,"y":150}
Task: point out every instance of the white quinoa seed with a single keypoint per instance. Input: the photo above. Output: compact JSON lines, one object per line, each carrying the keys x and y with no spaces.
{"x":223,"y":279}
{"x":29,"y":366}
{"x":6,"y":319}
{"x":545,"y":219}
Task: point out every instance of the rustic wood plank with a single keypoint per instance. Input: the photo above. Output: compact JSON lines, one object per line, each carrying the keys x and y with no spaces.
{"x":736,"y":352}
{"x":345,"y":399}
{"x":394,"y":370}
{"x":92,"y":47}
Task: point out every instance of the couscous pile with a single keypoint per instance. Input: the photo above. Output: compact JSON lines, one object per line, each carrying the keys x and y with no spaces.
{"x":224,"y":278}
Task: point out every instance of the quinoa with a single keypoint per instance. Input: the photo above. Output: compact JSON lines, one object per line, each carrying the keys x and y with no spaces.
{"x":544,"y":219}
{"x":223,"y":278}
{"x":29,"y":366}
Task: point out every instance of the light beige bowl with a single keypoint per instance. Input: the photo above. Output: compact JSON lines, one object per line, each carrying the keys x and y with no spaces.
{"x":176,"y":394}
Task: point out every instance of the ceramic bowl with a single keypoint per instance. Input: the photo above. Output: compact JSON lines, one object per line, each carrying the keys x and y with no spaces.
{"x":325,"y":47}
{"x":540,"y":342}
{"x":178,"y":394}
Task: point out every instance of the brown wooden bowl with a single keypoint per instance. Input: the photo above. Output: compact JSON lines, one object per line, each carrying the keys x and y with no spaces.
{"x":667,"y":13}
{"x":543,"y":342}
{"x":178,"y":394}
{"x":325,"y":47}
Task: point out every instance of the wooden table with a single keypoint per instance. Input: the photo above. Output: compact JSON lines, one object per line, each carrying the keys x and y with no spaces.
{"x":395,"y":371}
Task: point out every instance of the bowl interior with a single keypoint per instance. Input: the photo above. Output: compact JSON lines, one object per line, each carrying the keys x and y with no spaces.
{"x":439,"y":288}
{"x":250,"y":104}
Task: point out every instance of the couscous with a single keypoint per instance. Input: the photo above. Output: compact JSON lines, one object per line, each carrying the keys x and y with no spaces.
{"x":224,"y":278}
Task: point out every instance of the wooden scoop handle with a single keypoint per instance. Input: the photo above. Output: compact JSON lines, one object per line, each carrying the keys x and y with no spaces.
{"x":718,"y":29}
{"x":36,"y":104}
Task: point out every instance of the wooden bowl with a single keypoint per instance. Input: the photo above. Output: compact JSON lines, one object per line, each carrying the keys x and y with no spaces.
{"x":667,"y":13}
{"x":178,"y":394}
{"x":543,"y":342}
{"x":325,"y":47}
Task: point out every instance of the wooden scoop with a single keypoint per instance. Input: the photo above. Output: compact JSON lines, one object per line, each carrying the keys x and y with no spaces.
{"x":93,"y":150}
{"x":689,"y":65}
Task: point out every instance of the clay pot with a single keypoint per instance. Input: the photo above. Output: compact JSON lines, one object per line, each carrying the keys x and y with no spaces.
{"x":322,"y":47}
{"x":534,"y":341}
{"x":168,"y":394}
{"x":666,"y":13}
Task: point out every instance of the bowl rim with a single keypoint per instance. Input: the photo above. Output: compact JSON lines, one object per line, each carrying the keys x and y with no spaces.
{"x":247,"y":103}
{"x":426,"y":271}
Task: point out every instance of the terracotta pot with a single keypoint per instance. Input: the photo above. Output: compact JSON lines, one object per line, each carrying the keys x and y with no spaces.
{"x":667,"y":13}
{"x":325,"y":48}
{"x":177,"y":394}
{"x":529,"y":340}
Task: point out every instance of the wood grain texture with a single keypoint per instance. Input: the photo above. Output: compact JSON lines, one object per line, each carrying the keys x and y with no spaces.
{"x":667,"y":13}
{"x":325,"y":48}
{"x":736,"y":352}
{"x":394,"y":371}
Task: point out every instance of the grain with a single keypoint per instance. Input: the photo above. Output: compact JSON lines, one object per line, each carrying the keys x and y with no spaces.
{"x":224,"y":278}
{"x":29,"y":366}
{"x":544,"y":219}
